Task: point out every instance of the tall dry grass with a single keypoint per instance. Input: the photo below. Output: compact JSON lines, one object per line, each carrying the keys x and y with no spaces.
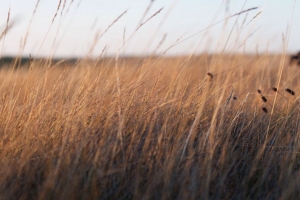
{"x":163,"y":129}
{"x":197,"y":127}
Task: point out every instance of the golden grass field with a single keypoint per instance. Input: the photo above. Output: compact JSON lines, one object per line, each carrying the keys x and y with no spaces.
{"x":207,"y":126}
{"x":151,"y":128}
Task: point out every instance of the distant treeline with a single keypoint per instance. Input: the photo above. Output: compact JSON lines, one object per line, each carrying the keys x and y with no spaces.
{"x":202,"y":59}
{"x":10,"y":61}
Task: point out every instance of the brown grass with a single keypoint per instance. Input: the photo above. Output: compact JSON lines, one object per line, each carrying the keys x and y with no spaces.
{"x":197,"y":127}
{"x":159,"y":130}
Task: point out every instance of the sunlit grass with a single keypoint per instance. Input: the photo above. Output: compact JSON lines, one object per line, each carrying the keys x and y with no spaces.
{"x":158,"y":130}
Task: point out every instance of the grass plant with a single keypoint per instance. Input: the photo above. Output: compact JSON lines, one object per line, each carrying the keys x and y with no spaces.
{"x":208,"y":126}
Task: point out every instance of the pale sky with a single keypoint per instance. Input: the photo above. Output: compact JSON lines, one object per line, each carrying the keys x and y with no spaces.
{"x":72,"y":34}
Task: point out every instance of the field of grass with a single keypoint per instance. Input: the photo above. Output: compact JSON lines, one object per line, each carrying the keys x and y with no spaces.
{"x":152,"y":128}
{"x":207,"y":126}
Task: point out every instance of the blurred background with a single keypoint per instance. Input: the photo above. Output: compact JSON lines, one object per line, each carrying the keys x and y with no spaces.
{"x":180,"y":28}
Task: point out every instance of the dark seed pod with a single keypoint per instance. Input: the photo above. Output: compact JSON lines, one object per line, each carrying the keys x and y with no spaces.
{"x":210,"y":76}
{"x":265,"y":110}
{"x":290,"y":91}
{"x":264,"y":99}
{"x":234,"y":98}
{"x":259,"y":91}
{"x":274,"y":89}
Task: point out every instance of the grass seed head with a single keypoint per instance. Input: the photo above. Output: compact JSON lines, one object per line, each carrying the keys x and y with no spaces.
{"x":264,"y":109}
{"x":264,"y":99}
{"x":290,"y":91}
{"x":210,"y":76}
